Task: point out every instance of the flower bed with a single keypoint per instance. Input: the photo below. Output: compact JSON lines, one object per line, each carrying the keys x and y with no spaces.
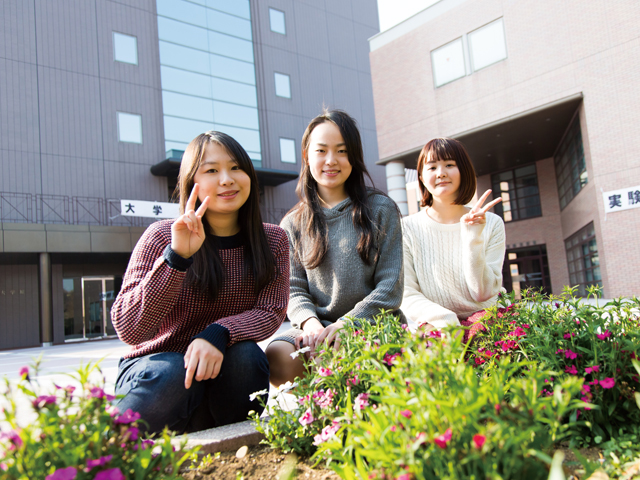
{"x":391,"y":404}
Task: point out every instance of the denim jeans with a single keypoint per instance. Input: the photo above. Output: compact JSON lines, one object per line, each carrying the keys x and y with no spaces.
{"x":153,"y":386}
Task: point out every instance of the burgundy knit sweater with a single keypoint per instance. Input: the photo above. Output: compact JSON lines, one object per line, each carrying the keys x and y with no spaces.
{"x":157,"y":312}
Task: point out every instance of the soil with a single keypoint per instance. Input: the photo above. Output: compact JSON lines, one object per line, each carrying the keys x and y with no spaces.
{"x":260,"y":462}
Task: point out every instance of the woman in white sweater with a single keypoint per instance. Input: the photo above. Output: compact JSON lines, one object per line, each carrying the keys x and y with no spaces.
{"x":453,"y":255}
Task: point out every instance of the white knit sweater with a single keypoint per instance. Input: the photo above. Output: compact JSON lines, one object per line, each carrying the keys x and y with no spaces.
{"x":450,"y":271}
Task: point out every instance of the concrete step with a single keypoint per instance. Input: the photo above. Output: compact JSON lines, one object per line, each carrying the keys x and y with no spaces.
{"x":223,"y":439}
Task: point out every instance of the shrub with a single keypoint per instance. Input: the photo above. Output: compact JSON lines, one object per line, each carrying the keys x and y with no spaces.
{"x":79,"y":435}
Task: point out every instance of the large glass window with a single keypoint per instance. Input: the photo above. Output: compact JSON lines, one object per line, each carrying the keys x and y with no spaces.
{"x":571,"y":168}
{"x":208,"y":72}
{"x":129,"y":127}
{"x":487,"y":45}
{"x":276,"y":21}
{"x":448,"y":63}
{"x":283,"y":85}
{"x":287,"y":150}
{"x":583,"y":259}
{"x":519,"y":191}
{"x":125,"y":48}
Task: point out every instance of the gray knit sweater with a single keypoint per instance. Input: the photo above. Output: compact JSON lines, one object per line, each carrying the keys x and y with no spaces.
{"x":343,"y":285}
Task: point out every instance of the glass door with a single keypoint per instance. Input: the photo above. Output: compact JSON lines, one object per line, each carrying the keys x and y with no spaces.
{"x":87,"y":306}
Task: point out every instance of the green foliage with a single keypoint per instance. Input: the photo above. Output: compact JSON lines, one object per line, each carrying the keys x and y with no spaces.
{"x":79,"y":435}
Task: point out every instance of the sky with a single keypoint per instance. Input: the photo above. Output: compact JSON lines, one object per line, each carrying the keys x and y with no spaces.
{"x":392,"y":12}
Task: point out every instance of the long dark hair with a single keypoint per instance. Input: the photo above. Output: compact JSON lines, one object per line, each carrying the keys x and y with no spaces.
{"x":308,"y":216}
{"x":207,"y":271}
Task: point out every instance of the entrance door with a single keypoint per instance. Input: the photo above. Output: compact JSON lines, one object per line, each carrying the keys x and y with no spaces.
{"x":87,"y":305}
{"x":526,"y":268}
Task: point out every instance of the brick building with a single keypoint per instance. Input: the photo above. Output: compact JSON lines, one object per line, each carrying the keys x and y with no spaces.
{"x":544,"y":95}
{"x":99,"y":98}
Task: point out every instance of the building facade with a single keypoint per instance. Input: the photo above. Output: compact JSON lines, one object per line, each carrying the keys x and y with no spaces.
{"x":99,"y":98}
{"x":544,"y":95}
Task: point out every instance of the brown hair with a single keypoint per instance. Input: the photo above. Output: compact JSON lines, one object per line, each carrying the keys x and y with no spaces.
{"x":207,"y":272}
{"x":308,"y":216}
{"x":448,"y":149}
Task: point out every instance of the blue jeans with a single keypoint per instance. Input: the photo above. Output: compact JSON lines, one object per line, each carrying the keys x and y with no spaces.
{"x":153,"y":386}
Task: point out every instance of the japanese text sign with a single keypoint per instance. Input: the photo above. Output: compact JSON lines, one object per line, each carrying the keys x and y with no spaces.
{"x":623,"y":199}
{"x":140,"y":208}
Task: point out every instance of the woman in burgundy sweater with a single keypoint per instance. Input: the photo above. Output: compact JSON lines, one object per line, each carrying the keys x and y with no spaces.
{"x":199,"y":292}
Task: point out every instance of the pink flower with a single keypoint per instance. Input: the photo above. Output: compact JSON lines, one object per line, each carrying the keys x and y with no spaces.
{"x":324,"y":399}
{"x":406,"y":413}
{"x":571,"y":370}
{"x":586,"y":388}
{"x":326,"y":433}
{"x":111,"y":474}
{"x":435,"y":334}
{"x":567,"y":336}
{"x":559,"y":351}
{"x":127,"y":417}
{"x":478,"y":440}
{"x":97,"y":392}
{"x":607,"y":383}
{"x":570,"y":354}
{"x":404,"y":476}
{"x":595,"y":368}
{"x":586,"y":400}
{"x":43,"y":400}
{"x":68,"y":473}
{"x":526,"y":325}
{"x":98,"y":463}
{"x":390,"y":358}
{"x":604,"y":335}
{"x":518,"y":332}
{"x":306,"y":418}
{"x":479,"y":361}
{"x":14,"y":439}
{"x":353,"y":381}
{"x":443,"y":440}
{"x":324,"y":372}
{"x":361,"y":402}
{"x":143,"y":446}
{"x":132,"y":434}
{"x":393,"y":428}
{"x":24,"y":373}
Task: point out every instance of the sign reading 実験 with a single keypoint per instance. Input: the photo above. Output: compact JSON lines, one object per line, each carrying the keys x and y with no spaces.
{"x":622,"y":199}
{"x":141,"y":208}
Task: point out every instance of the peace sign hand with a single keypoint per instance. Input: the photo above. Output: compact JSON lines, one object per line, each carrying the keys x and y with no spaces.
{"x":187,"y":232}
{"x":476,"y":216}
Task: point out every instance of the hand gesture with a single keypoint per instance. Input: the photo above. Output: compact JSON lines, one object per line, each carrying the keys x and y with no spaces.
{"x":187,"y":232}
{"x":476,"y":216}
{"x":311,"y":329}
{"x":202,"y":359}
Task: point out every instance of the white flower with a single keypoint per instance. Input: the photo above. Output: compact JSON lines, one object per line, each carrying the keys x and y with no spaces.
{"x":253,"y":396}
{"x":285,"y":387}
{"x":300,"y":352}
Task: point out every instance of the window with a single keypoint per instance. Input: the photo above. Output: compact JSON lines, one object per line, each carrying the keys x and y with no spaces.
{"x":276,"y":21}
{"x":283,"y":85}
{"x":129,"y":127}
{"x":125,"y":48}
{"x":448,"y":63}
{"x":526,"y":267}
{"x":571,"y":169}
{"x":583,"y":259}
{"x":287,"y":150}
{"x":519,"y":191}
{"x":487,"y":45}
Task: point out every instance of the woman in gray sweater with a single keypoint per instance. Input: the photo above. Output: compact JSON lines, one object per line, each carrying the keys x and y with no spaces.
{"x":345,"y":241}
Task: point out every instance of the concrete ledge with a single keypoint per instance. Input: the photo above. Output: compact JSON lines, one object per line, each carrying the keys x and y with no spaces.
{"x":224,"y":439}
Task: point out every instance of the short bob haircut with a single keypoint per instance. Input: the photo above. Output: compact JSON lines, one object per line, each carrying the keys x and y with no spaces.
{"x":448,"y":149}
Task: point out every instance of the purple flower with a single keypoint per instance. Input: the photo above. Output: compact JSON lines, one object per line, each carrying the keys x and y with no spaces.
{"x":68,"y":473}
{"x":43,"y":400}
{"x":127,"y":417}
{"x":132,"y":433}
{"x":14,"y":439}
{"x":24,"y":373}
{"x":111,"y":474}
{"x":98,"y":463}
{"x":143,"y":445}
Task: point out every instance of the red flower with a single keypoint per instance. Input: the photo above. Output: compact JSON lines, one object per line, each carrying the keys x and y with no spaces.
{"x":607,"y":383}
{"x":443,"y":440}
{"x":478,"y":440}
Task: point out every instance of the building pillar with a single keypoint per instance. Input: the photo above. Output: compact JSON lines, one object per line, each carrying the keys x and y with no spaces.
{"x":397,"y":185}
{"x":46,"y":301}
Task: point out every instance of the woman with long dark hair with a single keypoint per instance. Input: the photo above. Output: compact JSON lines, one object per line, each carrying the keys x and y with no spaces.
{"x":199,"y":292}
{"x":346,"y":244}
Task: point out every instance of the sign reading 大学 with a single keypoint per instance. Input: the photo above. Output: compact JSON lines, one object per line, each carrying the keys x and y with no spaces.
{"x":623,"y":199}
{"x":140,"y":208}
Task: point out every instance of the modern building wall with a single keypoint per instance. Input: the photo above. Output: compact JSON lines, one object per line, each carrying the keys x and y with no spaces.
{"x":557,"y":52}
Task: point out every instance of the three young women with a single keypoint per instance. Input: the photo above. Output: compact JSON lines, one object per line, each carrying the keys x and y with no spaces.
{"x":453,"y":255}
{"x":198,"y":293}
{"x":346,"y":244}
